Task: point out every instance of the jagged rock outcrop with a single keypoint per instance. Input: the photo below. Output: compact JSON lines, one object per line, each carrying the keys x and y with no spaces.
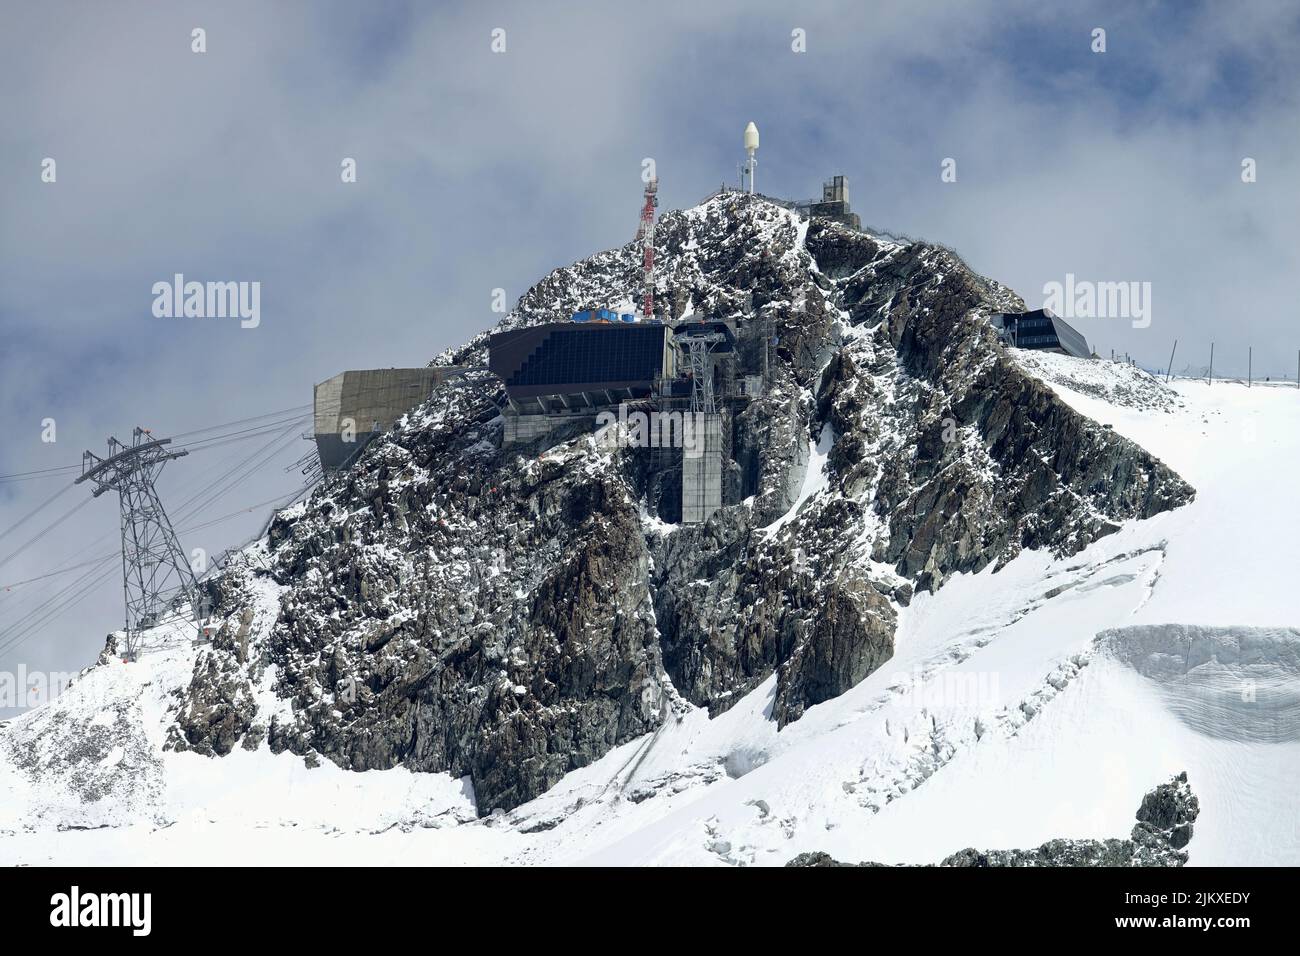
{"x":1159,"y":838}
{"x":516,"y":644}
{"x":1166,"y":816}
{"x":512,"y":615}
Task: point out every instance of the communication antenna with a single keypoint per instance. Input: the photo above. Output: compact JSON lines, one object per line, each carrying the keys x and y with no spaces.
{"x":751,"y":146}
{"x":152,"y":560}
{"x":646,"y":234}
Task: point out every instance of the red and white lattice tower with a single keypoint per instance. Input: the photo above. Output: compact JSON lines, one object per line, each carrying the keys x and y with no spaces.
{"x":646,"y":233}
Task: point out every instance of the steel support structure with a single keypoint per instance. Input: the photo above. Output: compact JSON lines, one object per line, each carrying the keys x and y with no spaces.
{"x":153,"y":563}
{"x":646,"y":236}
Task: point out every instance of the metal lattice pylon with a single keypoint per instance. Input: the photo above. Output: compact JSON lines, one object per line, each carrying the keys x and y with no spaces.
{"x":646,"y":236}
{"x":152,"y":560}
{"x":699,"y":358}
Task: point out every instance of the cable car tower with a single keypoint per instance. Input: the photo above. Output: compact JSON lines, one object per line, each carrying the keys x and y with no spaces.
{"x":152,"y":560}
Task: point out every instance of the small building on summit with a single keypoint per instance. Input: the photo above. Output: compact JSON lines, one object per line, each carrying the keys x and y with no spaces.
{"x":1040,"y":329}
{"x":833,"y":205}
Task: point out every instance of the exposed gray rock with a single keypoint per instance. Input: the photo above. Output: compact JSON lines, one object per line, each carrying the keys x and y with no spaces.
{"x":852,"y":633}
{"x":823,"y":859}
{"x":1166,"y":815}
{"x":218,"y":711}
{"x":92,"y":766}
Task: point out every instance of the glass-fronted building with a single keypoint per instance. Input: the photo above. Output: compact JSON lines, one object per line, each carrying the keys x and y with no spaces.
{"x":1040,"y":329}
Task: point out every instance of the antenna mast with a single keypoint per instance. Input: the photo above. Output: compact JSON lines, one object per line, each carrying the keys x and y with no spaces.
{"x":751,"y":147}
{"x":646,"y":234}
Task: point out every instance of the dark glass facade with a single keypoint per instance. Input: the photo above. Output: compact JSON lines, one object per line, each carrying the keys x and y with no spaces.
{"x":1043,"y":330}
{"x":566,"y":358}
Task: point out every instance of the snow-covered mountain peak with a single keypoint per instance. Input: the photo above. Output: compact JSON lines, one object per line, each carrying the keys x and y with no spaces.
{"x":522,"y":630}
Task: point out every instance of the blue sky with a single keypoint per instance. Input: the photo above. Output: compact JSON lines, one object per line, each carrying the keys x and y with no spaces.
{"x":480,"y":170}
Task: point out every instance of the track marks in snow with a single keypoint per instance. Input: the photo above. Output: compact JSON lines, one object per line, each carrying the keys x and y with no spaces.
{"x":933,"y":738}
{"x":943,"y":709}
{"x":966,"y":643}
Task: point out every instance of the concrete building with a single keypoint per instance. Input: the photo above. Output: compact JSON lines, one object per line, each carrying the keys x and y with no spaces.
{"x":702,"y":471}
{"x":1040,"y":329}
{"x":560,"y":376}
{"x":354,"y":406}
{"x":834,"y":203}
{"x":708,"y":350}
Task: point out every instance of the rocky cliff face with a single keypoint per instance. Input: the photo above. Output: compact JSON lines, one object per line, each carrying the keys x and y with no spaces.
{"x":514,"y":614}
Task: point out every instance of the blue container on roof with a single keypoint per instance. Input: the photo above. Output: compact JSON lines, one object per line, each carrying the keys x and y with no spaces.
{"x":602,"y":315}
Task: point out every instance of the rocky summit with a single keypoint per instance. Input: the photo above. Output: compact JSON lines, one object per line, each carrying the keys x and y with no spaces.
{"x":512,"y":614}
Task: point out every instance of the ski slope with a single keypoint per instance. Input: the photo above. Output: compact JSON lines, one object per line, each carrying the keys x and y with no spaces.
{"x":1039,"y":701}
